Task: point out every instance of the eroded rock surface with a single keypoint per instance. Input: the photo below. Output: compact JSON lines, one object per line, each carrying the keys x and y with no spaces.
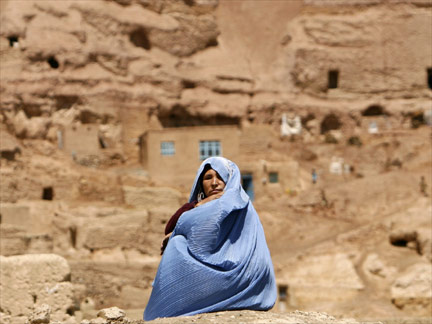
{"x":28,"y":281}
{"x":252,"y":317}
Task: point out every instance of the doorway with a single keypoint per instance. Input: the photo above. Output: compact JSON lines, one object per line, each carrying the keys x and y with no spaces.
{"x":247,"y":184}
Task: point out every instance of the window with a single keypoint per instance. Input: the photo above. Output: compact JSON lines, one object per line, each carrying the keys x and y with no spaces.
{"x":167,"y":148}
{"x":52,"y":61}
{"x":273,"y":177}
{"x":48,"y":193}
{"x":333,"y":78}
{"x":209,"y":148}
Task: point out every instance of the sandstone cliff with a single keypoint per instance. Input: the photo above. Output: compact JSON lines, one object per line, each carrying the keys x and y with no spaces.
{"x":82,"y":81}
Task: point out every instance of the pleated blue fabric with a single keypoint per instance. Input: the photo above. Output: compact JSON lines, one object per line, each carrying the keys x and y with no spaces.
{"x":217,"y":257}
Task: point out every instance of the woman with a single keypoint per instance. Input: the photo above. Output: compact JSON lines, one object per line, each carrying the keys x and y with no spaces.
{"x":217,"y":257}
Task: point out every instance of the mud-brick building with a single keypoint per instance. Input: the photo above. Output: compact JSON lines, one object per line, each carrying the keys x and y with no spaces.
{"x":172,"y":156}
{"x":80,"y":140}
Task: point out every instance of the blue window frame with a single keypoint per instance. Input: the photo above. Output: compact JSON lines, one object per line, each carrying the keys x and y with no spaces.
{"x":209,"y":148}
{"x":167,"y":148}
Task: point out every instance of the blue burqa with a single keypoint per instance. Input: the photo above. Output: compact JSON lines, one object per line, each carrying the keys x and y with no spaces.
{"x":217,"y":257}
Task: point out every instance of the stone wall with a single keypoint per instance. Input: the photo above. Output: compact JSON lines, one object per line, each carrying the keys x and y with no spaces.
{"x":185,"y":160}
{"x":29,"y":281}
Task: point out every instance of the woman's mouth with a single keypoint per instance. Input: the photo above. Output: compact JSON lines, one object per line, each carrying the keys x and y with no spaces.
{"x":215,"y":191}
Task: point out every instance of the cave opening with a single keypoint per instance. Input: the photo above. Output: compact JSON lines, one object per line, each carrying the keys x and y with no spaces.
{"x":188,"y":84}
{"x":330,"y":122}
{"x":66,"y":101}
{"x":13,"y":41}
{"x":212,"y":42}
{"x":374,"y":110}
{"x":53,"y":63}
{"x":400,"y":242}
{"x":139,"y":38}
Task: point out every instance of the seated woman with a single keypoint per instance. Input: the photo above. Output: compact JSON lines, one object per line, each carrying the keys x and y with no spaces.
{"x":217,"y":257}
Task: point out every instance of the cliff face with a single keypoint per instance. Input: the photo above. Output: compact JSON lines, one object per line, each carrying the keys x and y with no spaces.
{"x":126,"y":66}
{"x":81,"y":81}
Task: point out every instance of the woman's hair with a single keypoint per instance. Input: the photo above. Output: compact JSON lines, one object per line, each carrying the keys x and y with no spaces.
{"x":201,"y":195}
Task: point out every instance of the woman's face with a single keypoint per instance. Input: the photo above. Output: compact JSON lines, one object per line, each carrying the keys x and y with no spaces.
{"x":212,"y":183}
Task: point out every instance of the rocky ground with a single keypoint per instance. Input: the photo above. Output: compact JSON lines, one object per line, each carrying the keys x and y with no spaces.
{"x":115,"y":315}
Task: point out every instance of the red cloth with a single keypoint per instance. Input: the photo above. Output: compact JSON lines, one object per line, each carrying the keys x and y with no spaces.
{"x":174,"y":218}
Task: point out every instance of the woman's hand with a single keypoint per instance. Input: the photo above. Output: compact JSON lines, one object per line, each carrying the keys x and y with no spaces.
{"x":165,"y":242}
{"x":210,"y":198}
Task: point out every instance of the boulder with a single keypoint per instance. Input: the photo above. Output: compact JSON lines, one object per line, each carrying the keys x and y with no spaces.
{"x":41,"y":315}
{"x":424,"y":242}
{"x":9,"y":146}
{"x":374,"y":267}
{"x":31,"y":280}
{"x":315,"y":279}
{"x":123,"y":283}
{"x":412,"y":292}
{"x":113,"y":313}
{"x":124,"y":231}
{"x":245,"y":317}
{"x":152,"y":197}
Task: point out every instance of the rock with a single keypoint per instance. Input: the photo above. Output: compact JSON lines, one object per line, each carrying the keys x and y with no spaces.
{"x":113,"y":313}
{"x":97,"y":321}
{"x":121,"y":231}
{"x":117,"y":276}
{"x":314,"y":279}
{"x":412,"y":292}
{"x":20,"y":123}
{"x":403,"y":236}
{"x":374,"y":266}
{"x":152,"y":197}
{"x":4,"y":318}
{"x":424,"y":242}
{"x":87,"y":305}
{"x":30,"y":280}
{"x":245,"y":317}
{"x":41,"y":315}
{"x":38,"y":127}
{"x":9,"y":146}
